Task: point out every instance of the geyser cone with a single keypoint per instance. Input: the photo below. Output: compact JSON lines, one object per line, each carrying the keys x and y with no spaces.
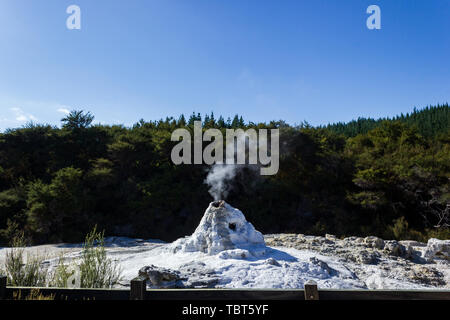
{"x":222,"y":228}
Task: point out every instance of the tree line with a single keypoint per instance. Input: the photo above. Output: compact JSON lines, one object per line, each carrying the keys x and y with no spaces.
{"x":429,"y":121}
{"x":387,"y":177}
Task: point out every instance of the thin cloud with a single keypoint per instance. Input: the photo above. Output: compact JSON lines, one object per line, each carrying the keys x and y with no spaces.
{"x":63,"y":110}
{"x":22,"y":116}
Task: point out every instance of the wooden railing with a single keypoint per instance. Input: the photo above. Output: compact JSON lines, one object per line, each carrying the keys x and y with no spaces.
{"x":138,"y":291}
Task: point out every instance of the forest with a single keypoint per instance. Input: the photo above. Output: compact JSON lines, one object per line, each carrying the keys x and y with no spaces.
{"x":386,"y":177}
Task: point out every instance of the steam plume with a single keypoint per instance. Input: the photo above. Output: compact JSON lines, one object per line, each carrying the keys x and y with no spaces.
{"x":219,"y":179}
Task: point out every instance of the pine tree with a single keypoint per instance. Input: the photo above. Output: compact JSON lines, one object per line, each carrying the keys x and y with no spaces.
{"x":192,"y":118}
{"x":235,"y":123}
{"x":206,"y":120}
{"x":241,"y":122}
{"x":228,"y":124}
{"x":181,"y":121}
{"x":221,"y":122}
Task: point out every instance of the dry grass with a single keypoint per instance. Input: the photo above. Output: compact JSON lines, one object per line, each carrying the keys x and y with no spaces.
{"x":35,"y":294}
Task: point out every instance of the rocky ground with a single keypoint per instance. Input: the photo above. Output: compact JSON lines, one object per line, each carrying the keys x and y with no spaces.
{"x":226,"y":251}
{"x":373,"y":259}
{"x":229,"y":242}
{"x":372,"y":263}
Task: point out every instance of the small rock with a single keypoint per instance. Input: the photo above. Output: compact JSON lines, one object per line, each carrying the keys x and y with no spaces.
{"x":195,"y":268}
{"x":330,"y":237}
{"x":272,"y":262}
{"x":366,"y":257}
{"x":158,"y":276}
{"x":353,"y":239}
{"x":412,"y":243}
{"x":235,"y":254}
{"x":201,"y":283}
{"x":438,"y":249}
{"x":322,"y":265}
{"x":426,"y":275}
{"x":394,"y":248}
{"x":374,"y":242}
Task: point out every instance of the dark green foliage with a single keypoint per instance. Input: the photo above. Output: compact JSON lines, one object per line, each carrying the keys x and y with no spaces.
{"x":388,"y":178}
{"x":429,"y":121}
{"x":58,"y":211}
{"x":77,"y":120}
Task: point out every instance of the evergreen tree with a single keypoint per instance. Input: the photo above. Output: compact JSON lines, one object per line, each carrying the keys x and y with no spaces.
{"x":235,"y":122}
{"x":221,"y":122}
{"x":181,"y":121}
{"x":77,"y":119}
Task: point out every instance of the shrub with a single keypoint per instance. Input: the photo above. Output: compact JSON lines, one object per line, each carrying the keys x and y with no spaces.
{"x":24,"y":272}
{"x":438,"y":233}
{"x":401,"y":231}
{"x":62,"y":276}
{"x":97,"y":270}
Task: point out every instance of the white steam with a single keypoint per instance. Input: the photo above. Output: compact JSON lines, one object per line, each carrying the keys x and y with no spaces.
{"x":220,"y":176}
{"x":219,"y":179}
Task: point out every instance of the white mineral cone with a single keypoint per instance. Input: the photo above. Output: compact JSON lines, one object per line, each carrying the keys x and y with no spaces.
{"x":223,"y":229}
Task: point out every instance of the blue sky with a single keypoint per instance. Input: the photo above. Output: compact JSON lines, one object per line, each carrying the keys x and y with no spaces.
{"x":292,"y":60}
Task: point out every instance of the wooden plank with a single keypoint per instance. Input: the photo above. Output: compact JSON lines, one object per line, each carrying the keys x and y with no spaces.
{"x":385,"y":294}
{"x":224,"y":294}
{"x":292,"y":294}
{"x":230,"y":294}
{"x":2,"y":287}
{"x":138,"y":288}
{"x":311,"y":292}
{"x":71,"y":294}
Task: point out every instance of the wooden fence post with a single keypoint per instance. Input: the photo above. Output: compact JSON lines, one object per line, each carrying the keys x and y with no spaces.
{"x":311,"y":292}
{"x":2,"y":287}
{"x":138,"y":288}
